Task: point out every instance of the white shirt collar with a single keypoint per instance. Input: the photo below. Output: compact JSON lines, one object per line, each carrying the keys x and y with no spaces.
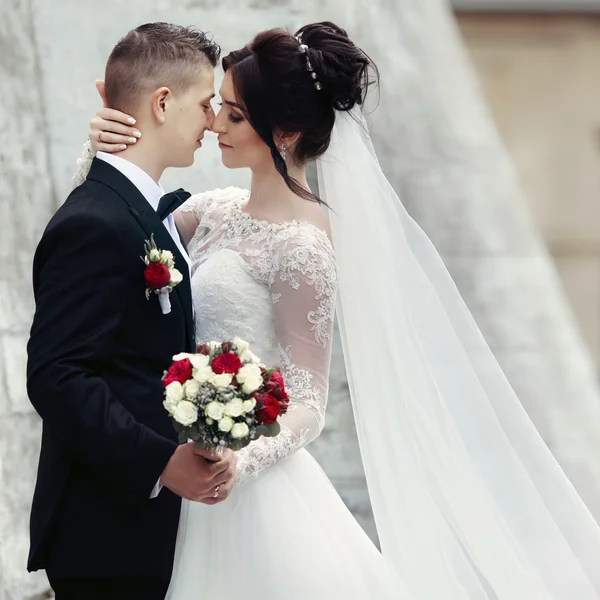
{"x":151,"y":190}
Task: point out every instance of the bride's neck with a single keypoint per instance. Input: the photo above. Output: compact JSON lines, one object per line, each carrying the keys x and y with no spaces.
{"x":271,"y":198}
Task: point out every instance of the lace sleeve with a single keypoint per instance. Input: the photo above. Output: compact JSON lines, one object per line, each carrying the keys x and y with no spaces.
{"x":201,"y":212}
{"x":83,"y":165}
{"x":303,"y":292}
{"x":190,"y":215}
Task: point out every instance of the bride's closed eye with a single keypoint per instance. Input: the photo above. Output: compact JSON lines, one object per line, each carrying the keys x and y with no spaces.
{"x":232,"y":117}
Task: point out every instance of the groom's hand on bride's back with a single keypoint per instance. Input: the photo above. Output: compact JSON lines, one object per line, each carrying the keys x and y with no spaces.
{"x":194,"y":474}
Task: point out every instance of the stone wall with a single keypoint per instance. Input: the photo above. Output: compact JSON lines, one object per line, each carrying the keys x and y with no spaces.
{"x":26,"y":202}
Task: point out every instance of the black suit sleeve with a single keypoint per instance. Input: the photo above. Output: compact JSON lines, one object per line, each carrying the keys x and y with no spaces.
{"x":80,"y":282}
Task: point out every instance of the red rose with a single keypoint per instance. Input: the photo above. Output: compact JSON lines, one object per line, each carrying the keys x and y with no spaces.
{"x":276,"y":387}
{"x":180,"y":370}
{"x":281,"y":396}
{"x":270,"y":409}
{"x":226,"y":347}
{"x":273,"y":389}
{"x":157,"y":275}
{"x":277,"y":378}
{"x":226,"y":363}
{"x":283,"y":407}
{"x":203,"y":349}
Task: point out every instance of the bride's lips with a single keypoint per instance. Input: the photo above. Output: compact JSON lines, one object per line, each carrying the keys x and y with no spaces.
{"x":224,"y":146}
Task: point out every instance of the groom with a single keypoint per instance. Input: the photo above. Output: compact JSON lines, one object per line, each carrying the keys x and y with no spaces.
{"x":111,"y":474}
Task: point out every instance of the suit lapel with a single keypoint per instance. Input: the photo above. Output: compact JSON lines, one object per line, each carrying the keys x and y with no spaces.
{"x":149,"y":221}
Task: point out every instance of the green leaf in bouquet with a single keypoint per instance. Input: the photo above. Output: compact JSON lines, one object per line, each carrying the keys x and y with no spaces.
{"x":184,"y":433}
{"x":236,"y":445}
{"x":202,"y":445}
{"x":270,"y":430}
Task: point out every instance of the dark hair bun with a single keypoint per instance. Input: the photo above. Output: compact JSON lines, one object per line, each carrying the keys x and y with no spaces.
{"x":343,"y":69}
{"x":280,"y":94}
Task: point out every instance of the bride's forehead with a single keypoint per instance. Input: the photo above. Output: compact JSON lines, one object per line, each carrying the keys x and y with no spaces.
{"x":227,"y":86}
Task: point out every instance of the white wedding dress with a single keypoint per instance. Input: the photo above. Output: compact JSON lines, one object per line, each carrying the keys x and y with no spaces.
{"x":283,"y":533}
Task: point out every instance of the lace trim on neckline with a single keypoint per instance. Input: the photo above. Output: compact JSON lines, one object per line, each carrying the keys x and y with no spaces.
{"x":243,"y":216}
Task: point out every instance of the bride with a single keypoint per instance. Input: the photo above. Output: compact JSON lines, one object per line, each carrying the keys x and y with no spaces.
{"x":468,"y":501}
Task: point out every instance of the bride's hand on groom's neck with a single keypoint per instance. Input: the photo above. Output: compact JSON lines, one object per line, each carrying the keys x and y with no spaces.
{"x":111,"y":130}
{"x":193,"y":476}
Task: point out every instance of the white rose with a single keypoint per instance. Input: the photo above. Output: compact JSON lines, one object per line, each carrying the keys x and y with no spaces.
{"x":203,"y":374}
{"x":182,"y":356}
{"x":166,"y":258}
{"x":249,"y":357}
{"x":186,"y":413}
{"x":247,"y":371}
{"x":248,"y":405}
{"x":239,"y":431}
{"x":198,"y":360}
{"x":251,"y":384}
{"x":176,"y":276}
{"x":226,"y":424}
{"x":174,"y":392}
{"x":222,"y":380}
{"x":234,"y":408}
{"x":170,"y":406}
{"x":213,"y":346}
{"x":241,"y":345}
{"x":209,"y":421}
{"x":191,"y":389}
{"x":154,"y":255}
{"x":214,"y":410}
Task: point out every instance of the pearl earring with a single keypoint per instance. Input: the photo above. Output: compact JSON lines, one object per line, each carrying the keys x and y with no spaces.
{"x":282,"y":150}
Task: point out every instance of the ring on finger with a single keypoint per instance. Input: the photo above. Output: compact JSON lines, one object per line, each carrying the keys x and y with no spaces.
{"x":216,"y":494}
{"x":100,"y":135}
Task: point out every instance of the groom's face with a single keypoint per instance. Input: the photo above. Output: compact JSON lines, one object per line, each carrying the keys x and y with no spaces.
{"x":189,"y":115}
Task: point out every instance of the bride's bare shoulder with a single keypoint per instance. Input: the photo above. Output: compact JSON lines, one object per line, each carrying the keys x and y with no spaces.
{"x":314,"y":215}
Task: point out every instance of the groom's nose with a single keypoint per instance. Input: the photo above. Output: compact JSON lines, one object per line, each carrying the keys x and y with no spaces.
{"x":210,"y":119}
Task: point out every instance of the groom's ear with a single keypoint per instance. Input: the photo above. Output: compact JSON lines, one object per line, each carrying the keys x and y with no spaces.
{"x":160,"y":99}
{"x":101,"y":87}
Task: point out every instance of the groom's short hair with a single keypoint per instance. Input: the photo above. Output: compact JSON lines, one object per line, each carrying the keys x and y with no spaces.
{"x":155,"y":55}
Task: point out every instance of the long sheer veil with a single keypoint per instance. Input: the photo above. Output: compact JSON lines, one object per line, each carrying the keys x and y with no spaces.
{"x":468,"y":501}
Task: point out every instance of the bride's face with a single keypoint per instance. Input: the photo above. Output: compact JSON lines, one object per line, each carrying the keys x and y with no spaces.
{"x":240,"y":145}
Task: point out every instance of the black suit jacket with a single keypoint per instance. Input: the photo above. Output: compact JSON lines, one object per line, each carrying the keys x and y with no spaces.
{"x":97,"y":351}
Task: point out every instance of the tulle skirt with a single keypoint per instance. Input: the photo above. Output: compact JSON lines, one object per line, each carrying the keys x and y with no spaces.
{"x":285,"y":536}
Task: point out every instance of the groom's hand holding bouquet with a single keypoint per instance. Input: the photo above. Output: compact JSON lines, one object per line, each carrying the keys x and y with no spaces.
{"x":221,"y":398}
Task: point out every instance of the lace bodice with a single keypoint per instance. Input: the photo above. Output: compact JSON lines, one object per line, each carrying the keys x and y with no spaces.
{"x":273,"y":285}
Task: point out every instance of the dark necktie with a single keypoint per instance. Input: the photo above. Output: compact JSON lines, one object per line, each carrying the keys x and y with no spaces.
{"x":170,"y":202}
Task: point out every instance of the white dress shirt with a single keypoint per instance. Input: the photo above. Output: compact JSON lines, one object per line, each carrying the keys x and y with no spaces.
{"x":153,"y":192}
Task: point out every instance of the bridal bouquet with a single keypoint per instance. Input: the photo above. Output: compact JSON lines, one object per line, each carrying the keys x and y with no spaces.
{"x":223,"y":396}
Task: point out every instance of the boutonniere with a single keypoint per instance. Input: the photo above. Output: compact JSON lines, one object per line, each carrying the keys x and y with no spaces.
{"x":160,"y":274}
